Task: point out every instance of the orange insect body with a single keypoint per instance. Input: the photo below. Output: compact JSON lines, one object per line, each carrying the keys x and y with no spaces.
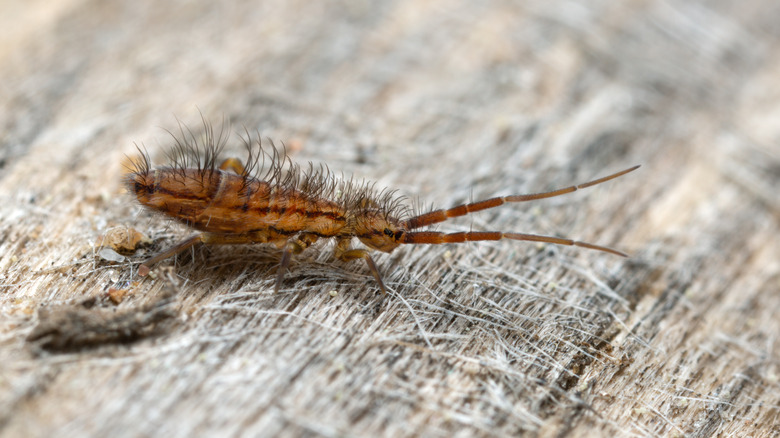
{"x":292,"y":209}
{"x":226,"y":203}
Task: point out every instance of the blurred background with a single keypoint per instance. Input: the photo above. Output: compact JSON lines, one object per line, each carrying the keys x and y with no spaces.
{"x":446,"y":101}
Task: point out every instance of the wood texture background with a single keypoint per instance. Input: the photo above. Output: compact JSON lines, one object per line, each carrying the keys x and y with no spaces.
{"x":445,"y":101}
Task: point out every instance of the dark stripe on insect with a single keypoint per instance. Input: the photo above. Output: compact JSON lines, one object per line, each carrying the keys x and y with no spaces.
{"x":287,"y":232}
{"x":277,"y":209}
{"x":140,"y":187}
{"x":178,"y":195}
{"x":370,"y":234}
{"x":247,"y":191}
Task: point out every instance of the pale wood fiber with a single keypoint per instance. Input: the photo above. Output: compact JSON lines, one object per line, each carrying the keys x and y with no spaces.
{"x":445,"y":101}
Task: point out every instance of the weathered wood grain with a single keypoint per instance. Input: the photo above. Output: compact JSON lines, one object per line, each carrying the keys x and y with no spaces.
{"x":445,"y":101}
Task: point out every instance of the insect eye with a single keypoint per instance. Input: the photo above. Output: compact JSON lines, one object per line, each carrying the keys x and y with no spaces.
{"x":388,"y":232}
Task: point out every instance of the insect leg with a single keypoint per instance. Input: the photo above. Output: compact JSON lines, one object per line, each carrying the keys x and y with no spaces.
{"x":293,"y":246}
{"x":289,"y":248}
{"x":143,"y":270}
{"x":343,"y":253}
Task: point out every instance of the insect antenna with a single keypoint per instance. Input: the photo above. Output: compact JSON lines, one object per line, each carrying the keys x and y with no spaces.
{"x":437,"y":216}
{"x":436,"y":237}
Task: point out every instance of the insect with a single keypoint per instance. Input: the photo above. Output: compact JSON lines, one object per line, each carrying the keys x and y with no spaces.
{"x":280,"y":203}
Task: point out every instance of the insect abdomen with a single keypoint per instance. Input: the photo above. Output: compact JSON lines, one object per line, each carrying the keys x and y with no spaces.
{"x":222,"y":202}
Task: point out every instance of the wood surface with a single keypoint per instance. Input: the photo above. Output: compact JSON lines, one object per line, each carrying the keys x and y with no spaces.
{"x":447,"y":102}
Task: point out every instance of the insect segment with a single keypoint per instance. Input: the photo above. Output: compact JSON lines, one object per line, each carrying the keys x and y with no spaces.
{"x":291,"y":208}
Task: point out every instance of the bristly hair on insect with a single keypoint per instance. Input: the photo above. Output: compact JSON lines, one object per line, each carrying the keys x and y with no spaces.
{"x":272,"y":200}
